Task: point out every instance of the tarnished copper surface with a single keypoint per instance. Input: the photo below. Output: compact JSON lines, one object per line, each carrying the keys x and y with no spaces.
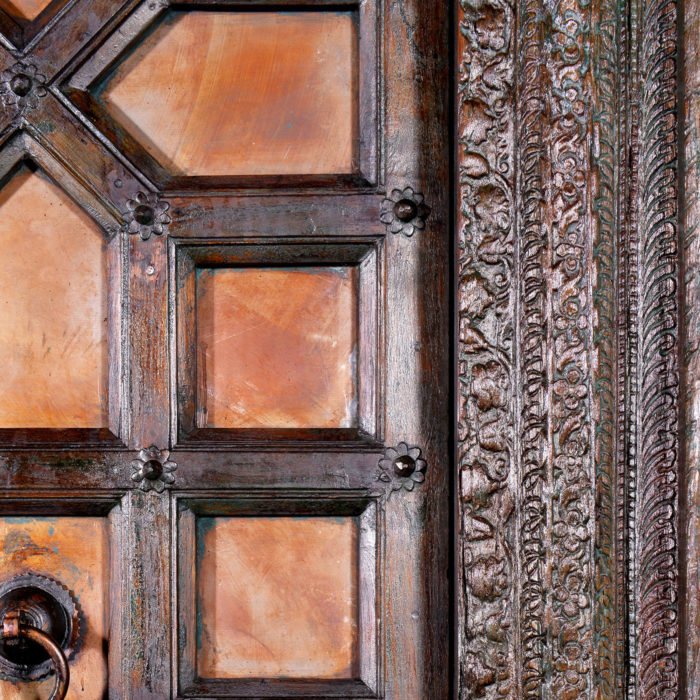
{"x":277,"y":597}
{"x":276,"y":347}
{"x":75,"y":552}
{"x":53,"y":309}
{"x":25,"y":9}
{"x":226,"y":93}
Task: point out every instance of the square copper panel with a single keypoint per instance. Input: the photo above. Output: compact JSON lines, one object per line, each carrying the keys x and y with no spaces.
{"x":276,"y":347}
{"x":242,"y":93}
{"x":53,"y":309}
{"x":75,"y":552}
{"x":277,"y":597}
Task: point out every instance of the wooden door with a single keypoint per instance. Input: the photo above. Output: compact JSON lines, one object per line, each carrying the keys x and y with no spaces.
{"x":224,"y":344}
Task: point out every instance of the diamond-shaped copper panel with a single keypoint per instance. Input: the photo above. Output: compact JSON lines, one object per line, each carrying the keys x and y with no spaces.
{"x":241,"y":93}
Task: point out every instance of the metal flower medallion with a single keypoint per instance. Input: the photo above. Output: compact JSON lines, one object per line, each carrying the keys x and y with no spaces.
{"x":147,"y":215}
{"x":402,"y":467}
{"x":21,"y":86}
{"x":152,"y":470}
{"x":404,"y":211}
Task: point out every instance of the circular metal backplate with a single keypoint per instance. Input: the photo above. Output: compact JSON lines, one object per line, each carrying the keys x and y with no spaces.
{"x":47,"y":605}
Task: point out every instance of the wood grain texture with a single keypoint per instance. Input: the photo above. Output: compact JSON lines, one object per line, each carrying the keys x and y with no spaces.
{"x":276,"y":348}
{"x":256,"y":93}
{"x":416,"y":348}
{"x":74,"y":551}
{"x":277,"y":597}
{"x":53,"y":318}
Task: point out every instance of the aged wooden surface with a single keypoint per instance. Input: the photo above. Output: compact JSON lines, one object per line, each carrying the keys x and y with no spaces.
{"x":213,"y":93}
{"x":301,"y":322}
{"x":690,"y":250}
{"x":569,"y":350}
{"x":316,"y":201}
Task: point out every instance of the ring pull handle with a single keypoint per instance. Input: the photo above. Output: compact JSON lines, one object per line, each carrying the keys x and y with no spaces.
{"x":14,"y":628}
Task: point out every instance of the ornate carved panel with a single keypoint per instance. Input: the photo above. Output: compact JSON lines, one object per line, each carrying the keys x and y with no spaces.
{"x":569,"y":371}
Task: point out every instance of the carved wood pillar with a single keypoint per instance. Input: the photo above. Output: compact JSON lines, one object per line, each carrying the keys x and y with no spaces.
{"x":569,"y":356}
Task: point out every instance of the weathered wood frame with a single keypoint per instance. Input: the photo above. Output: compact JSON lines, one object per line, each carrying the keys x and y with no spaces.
{"x":23,"y":151}
{"x":84,"y":82}
{"x":187,"y":256}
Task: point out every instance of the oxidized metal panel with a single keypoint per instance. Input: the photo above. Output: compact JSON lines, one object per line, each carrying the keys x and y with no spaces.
{"x":277,"y":597}
{"x":230,"y":93}
{"x":276,"y":347}
{"x":73,"y":551}
{"x":53,"y":316}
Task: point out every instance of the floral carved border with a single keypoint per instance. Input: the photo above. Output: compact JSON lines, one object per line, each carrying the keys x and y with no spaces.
{"x":569,"y":352}
{"x":486,"y":288}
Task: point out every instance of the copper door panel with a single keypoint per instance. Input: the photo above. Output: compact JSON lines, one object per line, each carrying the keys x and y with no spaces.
{"x":277,"y":596}
{"x":276,"y":348}
{"x":25,"y":9}
{"x":75,"y":552}
{"x":226,"y":93}
{"x":53,"y":315}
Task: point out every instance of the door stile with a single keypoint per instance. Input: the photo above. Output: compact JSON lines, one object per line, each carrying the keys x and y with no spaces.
{"x":416,"y":585}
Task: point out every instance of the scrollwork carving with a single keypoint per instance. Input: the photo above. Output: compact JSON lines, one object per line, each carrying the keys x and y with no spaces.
{"x":486,"y":363}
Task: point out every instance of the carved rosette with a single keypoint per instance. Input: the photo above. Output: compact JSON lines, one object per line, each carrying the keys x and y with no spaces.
{"x":404,"y":211}
{"x":147,"y":215}
{"x":402,"y":467}
{"x":152,"y":470}
{"x":21,"y":86}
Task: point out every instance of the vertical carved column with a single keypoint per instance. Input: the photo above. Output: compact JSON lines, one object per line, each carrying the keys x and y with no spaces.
{"x":657,"y":564}
{"x":691,"y":349}
{"x":612,"y":226}
{"x":487,"y":477}
{"x":568,"y":353}
{"x":532,"y":318}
